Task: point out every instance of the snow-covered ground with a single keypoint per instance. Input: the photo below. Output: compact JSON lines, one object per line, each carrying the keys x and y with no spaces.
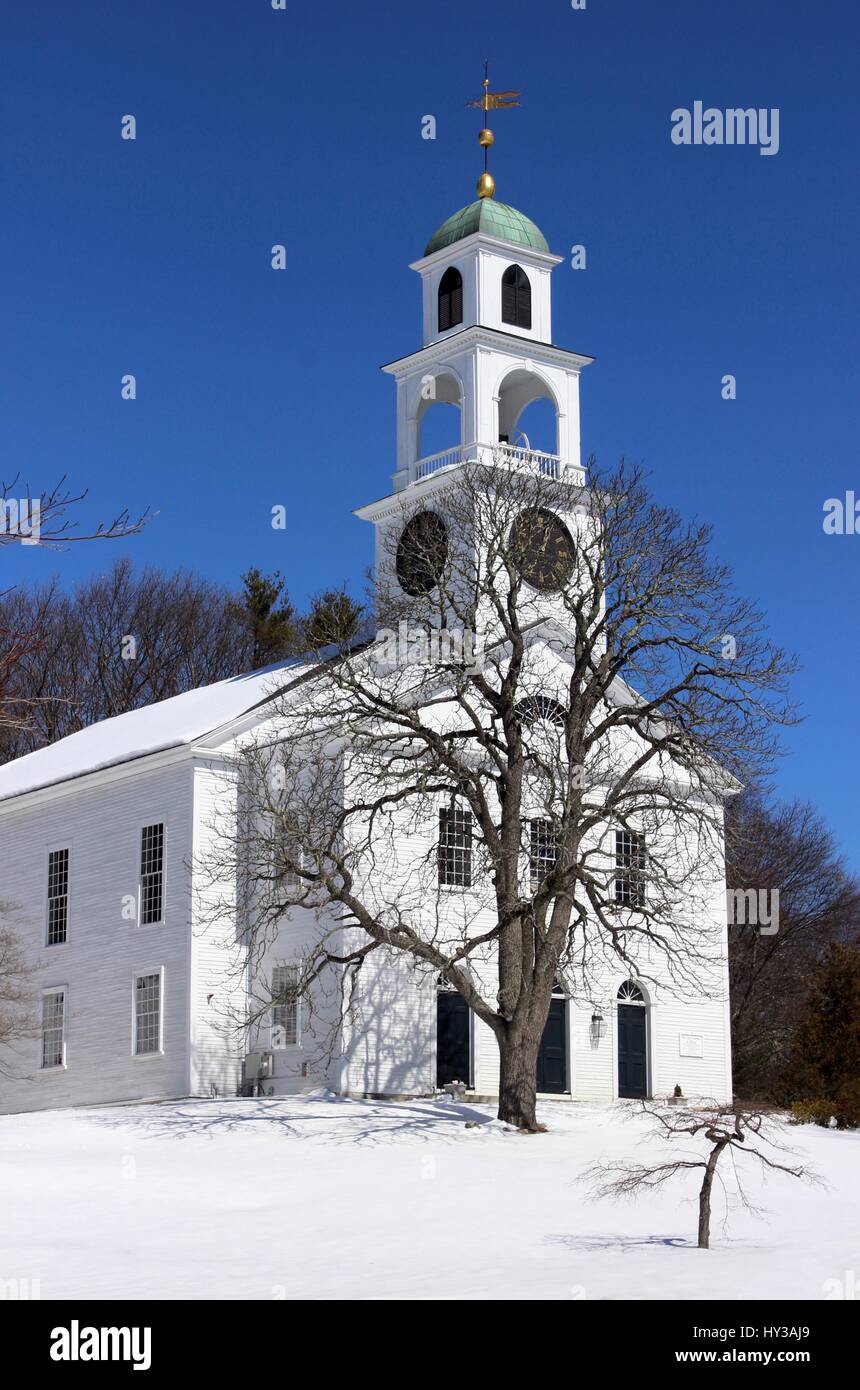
{"x":318,"y":1197}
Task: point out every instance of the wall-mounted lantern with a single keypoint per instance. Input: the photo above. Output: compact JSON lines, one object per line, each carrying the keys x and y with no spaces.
{"x":598,"y":1028}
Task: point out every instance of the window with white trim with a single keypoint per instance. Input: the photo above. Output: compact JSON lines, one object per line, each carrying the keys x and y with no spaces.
{"x":289,"y":863}
{"x":285,"y":1005}
{"x":631,"y":860}
{"x":543,"y":851}
{"x":147,"y":1014}
{"x":454,"y":854}
{"x":53,"y":1029}
{"x":151,"y":874}
{"x":516,"y":297}
{"x":58,"y":896}
{"x":450,"y":299}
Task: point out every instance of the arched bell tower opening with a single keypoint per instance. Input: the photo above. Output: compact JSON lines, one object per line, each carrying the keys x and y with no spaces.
{"x":528,"y":414}
{"x":438,"y":416}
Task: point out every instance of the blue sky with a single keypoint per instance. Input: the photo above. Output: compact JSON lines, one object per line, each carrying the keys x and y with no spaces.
{"x":303,"y":127}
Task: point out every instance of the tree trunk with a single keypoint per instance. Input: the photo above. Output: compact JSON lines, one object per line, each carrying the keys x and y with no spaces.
{"x":518,"y":1055}
{"x":705,"y":1197}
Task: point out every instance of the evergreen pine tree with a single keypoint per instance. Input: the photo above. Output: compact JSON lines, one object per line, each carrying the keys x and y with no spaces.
{"x":265,"y":609}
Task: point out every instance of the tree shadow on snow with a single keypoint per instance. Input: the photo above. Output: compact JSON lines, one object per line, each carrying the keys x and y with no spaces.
{"x":331,"y":1119}
{"x":611,"y":1240}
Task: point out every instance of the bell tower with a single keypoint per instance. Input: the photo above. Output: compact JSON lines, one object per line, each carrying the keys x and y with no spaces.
{"x":486,"y":349}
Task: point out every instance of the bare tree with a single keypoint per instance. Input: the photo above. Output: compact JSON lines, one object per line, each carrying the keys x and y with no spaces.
{"x":492,"y":815}
{"x":118,"y":641}
{"x":43,"y":519}
{"x":126,"y":638}
{"x":17,"y":998}
{"x":722,"y":1127}
{"x":789,"y":849}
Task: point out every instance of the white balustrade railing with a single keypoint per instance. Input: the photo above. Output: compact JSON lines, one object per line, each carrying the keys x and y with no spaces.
{"x":500,"y":456}
{"x":445,"y":459}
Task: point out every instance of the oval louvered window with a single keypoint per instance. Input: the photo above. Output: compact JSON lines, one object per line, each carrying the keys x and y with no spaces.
{"x":421,"y":554}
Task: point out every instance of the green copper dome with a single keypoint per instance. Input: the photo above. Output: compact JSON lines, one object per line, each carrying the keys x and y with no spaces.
{"x":493,"y":219}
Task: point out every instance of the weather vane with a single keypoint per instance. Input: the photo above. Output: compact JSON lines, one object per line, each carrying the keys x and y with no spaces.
{"x":490,"y":101}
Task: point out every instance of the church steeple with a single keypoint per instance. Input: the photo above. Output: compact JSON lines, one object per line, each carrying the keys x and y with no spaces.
{"x":487,"y":343}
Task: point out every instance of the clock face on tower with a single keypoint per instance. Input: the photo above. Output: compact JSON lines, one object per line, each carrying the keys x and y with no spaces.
{"x":421,"y":553}
{"x":542,"y":549}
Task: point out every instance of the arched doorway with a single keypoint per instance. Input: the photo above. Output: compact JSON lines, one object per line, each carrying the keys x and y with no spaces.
{"x":632,"y":1041}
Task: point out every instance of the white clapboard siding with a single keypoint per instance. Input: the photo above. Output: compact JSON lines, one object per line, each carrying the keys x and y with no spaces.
{"x":101,"y":826}
{"x":315,"y":1058}
{"x":217,"y":985}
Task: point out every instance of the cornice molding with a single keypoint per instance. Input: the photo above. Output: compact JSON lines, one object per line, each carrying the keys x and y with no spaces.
{"x":491,"y":339}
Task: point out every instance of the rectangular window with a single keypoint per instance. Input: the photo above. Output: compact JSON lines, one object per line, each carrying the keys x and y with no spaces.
{"x":147,"y":1014}
{"x":630,"y":863}
{"x":285,"y":1005}
{"x":455,"y":846}
{"x":543,"y":851}
{"x":53,"y":1028}
{"x":151,"y":874}
{"x":58,"y":896}
{"x":292,"y":855}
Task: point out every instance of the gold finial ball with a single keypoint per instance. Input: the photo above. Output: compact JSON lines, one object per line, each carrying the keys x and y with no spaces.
{"x":486,"y":186}
{"x":485,"y":137}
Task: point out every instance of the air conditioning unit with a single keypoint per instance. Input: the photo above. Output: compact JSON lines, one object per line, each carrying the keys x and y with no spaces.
{"x":259,"y":1066}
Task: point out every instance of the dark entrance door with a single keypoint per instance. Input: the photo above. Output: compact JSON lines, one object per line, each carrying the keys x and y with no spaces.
{"x":632,"y":1050}
{"x":453,"y":1053}
{"x":552,"y":1058}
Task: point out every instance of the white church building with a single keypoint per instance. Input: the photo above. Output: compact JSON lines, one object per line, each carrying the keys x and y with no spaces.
{"x":101,"y":833}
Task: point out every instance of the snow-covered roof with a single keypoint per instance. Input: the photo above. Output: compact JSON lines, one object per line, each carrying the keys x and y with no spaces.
{"x":153,"y":729}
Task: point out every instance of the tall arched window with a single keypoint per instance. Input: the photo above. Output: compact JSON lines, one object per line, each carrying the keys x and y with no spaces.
{"x":450,"y":299}
{"x":516,"y":297}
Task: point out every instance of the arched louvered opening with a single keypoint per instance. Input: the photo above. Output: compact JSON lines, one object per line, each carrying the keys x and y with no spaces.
{"x":516,"y":297}
{"x":450,"y":299}
{"x":541,"y":707}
